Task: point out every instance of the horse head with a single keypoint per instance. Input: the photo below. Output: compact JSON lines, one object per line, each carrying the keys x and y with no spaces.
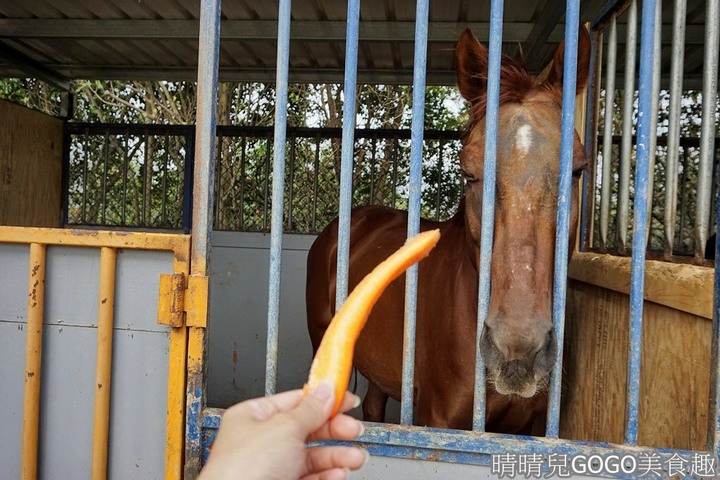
{"x":518,"y":343}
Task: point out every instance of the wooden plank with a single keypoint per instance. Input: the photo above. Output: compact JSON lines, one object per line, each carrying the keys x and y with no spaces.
{"x":30,"y":167}
{"x":688,"y":288}
{"x":674,"y":378}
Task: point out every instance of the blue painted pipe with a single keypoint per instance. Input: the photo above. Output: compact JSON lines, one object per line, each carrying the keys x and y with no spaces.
{"x":642,"y":172}
{"x":488,"y":202}
{"x":348,"y":148}
{"x":278,"y":195}
{"x":414,"y":188}
{"x":567,"y":140}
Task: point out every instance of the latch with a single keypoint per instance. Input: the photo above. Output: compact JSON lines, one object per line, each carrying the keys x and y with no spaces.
{"x":183,"y":302}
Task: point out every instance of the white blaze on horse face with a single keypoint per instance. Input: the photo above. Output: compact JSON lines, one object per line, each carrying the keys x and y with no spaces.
{"x":523,"y":142}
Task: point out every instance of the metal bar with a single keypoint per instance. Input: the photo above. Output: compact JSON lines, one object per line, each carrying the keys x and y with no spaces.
{"x":683,"y":195}
{"x":626,"y":150}
{"x":315,"y":184}
{"x":188,"y":181}
{"x":86,"y":157}
{"x":439,"y":179}
{"x":673,"y":141}
{"x":393,"y":194}
{"x":714,"y":424}
{"x":414,"y":196}
{"x":164,"y":183}
{"x":278,"y":195}
{"x":204,"y":168}
{"x":33,"y":361}
{"x":243,"y":157}
{"x":642,"y":172}
{"x":346,"y":155}
{"x":218,"y":203}
{"x":144,"y":185}
{"x":266,"y":188}
{"x":608,"y":131}
{"x":126,"y":162}
{"x":488,"y":202}
{"x":105,"y":176}
{"x":293,"y":152}
{"x":592,"y":103}
{"x":707,"y":135}
{"x":373,"y":159}
{"x":567,"y":138}
{"x":655,"y":94}
{"x":101,"y":417}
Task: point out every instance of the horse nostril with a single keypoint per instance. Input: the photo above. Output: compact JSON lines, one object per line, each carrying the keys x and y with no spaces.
{"x":515,"y":370}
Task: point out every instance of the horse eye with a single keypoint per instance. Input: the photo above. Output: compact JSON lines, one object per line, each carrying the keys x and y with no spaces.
{"x":470,"y":178}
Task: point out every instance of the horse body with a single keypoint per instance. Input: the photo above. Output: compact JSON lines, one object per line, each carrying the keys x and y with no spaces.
{"x":518,"y":344}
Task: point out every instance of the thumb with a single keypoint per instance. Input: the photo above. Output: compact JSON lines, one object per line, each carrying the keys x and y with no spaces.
{"x":314,"y":409}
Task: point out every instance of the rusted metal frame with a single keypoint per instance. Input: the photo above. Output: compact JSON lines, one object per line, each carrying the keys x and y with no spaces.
{"x":103,"y":368}
{"x":33,"y":361}
{"x":204,"y":169}
{"x":587,"y":218}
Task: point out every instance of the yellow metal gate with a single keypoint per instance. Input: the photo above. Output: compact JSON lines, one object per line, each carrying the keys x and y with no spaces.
{"x":172,"y":306}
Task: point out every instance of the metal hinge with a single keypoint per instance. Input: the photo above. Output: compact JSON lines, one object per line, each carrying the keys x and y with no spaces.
{"x":183,"y":302}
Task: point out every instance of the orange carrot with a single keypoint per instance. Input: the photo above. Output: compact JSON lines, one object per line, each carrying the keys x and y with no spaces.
{"x":333,"y":360}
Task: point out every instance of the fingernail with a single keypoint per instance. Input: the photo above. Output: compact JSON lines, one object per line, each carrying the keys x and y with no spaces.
{"x":356,"y":401}
{"x":323,"y":391}
{"x":362,"y":429}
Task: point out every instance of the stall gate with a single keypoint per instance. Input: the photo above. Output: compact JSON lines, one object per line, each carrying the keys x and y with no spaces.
{"x":100,"y":352}
{"x":469,"y":447}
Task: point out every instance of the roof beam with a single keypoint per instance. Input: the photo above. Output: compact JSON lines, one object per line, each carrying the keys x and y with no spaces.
{"x":250,"y":30}
{"x":28,"y":67}
{"x":548,"y":18}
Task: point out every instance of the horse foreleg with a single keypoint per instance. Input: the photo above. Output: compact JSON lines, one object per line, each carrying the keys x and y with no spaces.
{"x":374,"y":404}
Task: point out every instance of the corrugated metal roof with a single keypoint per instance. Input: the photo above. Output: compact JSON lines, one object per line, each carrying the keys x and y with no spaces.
{"x":157,"y":39}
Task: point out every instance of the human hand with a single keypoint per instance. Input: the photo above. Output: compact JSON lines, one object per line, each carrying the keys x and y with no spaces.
{"x":264,"y":438}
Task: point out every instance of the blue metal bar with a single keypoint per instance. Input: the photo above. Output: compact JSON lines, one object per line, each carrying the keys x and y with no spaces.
{"x":346,"y":155}
{"x":713,"y":8}
{"x":567,"y":139}
{"x":642,"y":172}
{"x":204,"y":169}
{"x":488,"y":202}
{"x":278,"y":190}
{"x":414,"y":191}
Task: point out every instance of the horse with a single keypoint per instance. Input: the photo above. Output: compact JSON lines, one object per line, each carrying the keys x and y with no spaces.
{"x":518,"y":343}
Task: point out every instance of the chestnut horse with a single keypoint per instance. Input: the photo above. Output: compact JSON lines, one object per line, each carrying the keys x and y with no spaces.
{"x":518,"y":343}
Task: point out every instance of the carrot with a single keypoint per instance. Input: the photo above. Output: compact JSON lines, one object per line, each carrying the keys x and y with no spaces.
{"x":333,"y":360}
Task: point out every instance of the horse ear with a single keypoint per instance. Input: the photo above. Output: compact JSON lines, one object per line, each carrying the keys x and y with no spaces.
{"x":583,"y":62}
{"x":471,"y":64}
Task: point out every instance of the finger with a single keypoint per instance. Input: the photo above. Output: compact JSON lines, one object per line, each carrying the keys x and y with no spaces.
{"x":265,"y":407}
{"x":350,"y":401}
{"x":332,"y":474}
{"x":313,"y":410}
{"x":320,"y":459}
{"x":342,"y":427}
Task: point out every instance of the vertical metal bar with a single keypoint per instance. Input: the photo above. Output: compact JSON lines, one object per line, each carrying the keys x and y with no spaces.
{"x":83,"y":210}
{"x":315,"y":183}
{"x":188,"y":180}
{"x":683,"y":195}
{"x":567,"y":138}
{"x":414,"y":194}
{"x":33,"y":361}
{"x":105,"y":176}
{"x":627,"y":127}
{"x":714,"y":424}
{"x":441,"y":145}
{"x":587,"y":195}
{"x":673,"y":141}
{"x":101,"y":417}
{"x":144,"y":185}
{"x":488,"y":202}
{"x":655,"y":94}
{"x":126,"y":163}
{"x":243,"y":158}
{"x":164,"y":183}
{"x":266,"y":182}
{"x":346,"y":155}
{"x":218,"y":203}
{"x":605,"y":191}
{"x":642,"y":172}
{"x":373,"y":159}
{"x":278,"y":195}
{"x":707,"y":135}
{"x":204,"y":168}
{"x":293,"y":153}
{"x":393,"y":194}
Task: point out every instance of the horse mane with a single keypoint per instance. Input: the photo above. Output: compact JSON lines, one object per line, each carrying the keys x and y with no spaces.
{"x":515,"y":85}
